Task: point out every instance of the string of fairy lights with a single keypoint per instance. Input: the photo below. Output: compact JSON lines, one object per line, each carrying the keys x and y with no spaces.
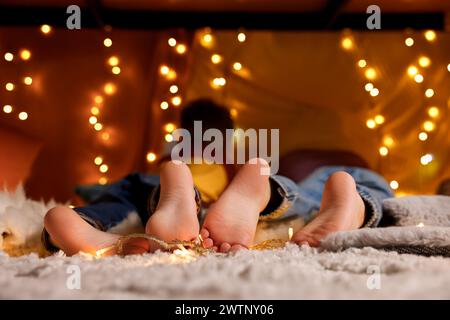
{"x":416,"y":72}
{"x":208,"y":41}
{"x":22,"y":56}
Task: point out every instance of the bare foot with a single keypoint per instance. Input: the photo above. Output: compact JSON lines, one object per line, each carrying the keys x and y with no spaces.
{"x":230,"y":223}
{"x":175,"y":217}
{"x":69,"y":232}
{"x":342,"y":209}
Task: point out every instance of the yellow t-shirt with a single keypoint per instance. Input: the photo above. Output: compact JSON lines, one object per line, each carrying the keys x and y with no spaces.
{"x":210,"y":179}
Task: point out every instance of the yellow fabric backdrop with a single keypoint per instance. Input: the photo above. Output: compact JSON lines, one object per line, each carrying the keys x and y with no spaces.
{"x":306,"y":85}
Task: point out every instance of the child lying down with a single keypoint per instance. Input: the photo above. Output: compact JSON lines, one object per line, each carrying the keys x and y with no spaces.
{"x":344,"y":198}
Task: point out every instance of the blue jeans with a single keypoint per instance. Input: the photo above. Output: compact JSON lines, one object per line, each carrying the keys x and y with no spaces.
{"x":304,"y":198}
{"x":111,"y":204}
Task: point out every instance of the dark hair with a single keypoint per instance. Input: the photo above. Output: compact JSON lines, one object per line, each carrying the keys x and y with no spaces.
{"x":211,"y":114}
{"x":444,"y":188}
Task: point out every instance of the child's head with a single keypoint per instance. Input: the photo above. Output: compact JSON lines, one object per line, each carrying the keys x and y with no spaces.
{"x":211,"y":114}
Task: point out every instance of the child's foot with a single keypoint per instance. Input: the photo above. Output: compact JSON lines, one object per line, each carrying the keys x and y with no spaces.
{"x":175,"y":217}
{"x":69,"y":232}
{"x":230,"y":223}
{"x":342,"y":209}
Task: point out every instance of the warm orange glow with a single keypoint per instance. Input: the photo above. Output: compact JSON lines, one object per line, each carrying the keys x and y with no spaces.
{"x":379,"y":119}
{"x":430,"y":35}
{"x":424,"y":61}
{"x":433,"y":112}
{"x":164,"y":105}
{"x":362,"y":63}
{"x":95,"y":111}
{"x":109,"y":88}
{"x":98,"y":160}
{"x":28,"y":81}
{"x":370,"y":74}
{"x":169,"y":127}
{"x":216,"y":58}
{"x":113,"y":61}
{"x":104,"y":168}
{"x":115,"y":70}
{"x":237,"y":66}
{"x":105,"y":136}
{"x":9,"y":86}
{"x":107,"y":42}
{"x":176,"y":101}
{"x":46,"y":29}
{"x":93,"y":119}
{"x":7,"y":108}
{"x":383,"y":151}
{"x":371,"y":124}
{"x":429,"y":126}
{"x":181,"y":48}
{"x":23,"y":116}
{"x":98,"y":126}
{"x":347,"y":43}
{"x":25,"y":54}
{"x":151,"y":157}
{"x":98,"y":99}
{"x":172,"y":42}
{"x":409,"y":42}
{"x":9,"y":56}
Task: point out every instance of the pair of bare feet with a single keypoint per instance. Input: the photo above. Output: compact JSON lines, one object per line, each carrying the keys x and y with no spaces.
{"x":230,"y":224}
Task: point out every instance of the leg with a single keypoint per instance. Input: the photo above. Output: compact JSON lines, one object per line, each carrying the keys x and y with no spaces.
{"x":342,"y":209}
{"x":231,"y":221}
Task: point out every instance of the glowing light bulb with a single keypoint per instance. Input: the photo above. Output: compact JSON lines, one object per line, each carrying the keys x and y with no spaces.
{"x":151,"y":157}
{"x":93,"y":119}
{"x":216,"y":58}
{"x":46,"y":29}
{"x":394,"y":185}
{"x":429,"y":93}
{"x":433,"y":112}
{"x":412,"y":71}
{"x":423,"y":136}
{"x":173,"y":89}
{"x":426,"y":159}
{"x":448,"y":67}
{"x":109,"y":88}
{"x":172,"y":75}
{"x":98,"y":127}
{"x":181,"y":48}
{"x":28,"y":81}
{"x":383,"y":151}
{"x":98,"y":160}
{"x":409,"y":42}
{"x":370,"y":74}
{"x":164,"y":70}
{"x":241,"y":37}
{"x":25,"y":54}
{"x":176,"y":101}
{"x":164,"y":105}
{"x":113,"y":61}
{"x":362,"y":63}
{"x":430,"y":35}
{"x":371,"y":124}
{"x":206,"y":40}
{"x":104,"y":168}
{"x":103,"y":180}
{"x":105,"y":136}
{"x":233,"y":113}
{"x":428,"y":126}
{"x":169,"y":127}
{"x":388,"y":141}
{"x":379,"y":119}
{"x":172,"y":42}
{"x":347,"y":43}
{"x":218,"y":82}
{"x":9,"y":86}
{"x":116,"y":70}
{"x":418,"y":78}
{"x":237,"y":66}
{"x":168,"y":137}
{"x":98,"y":99}
{"x":424,"y":61}
{"x":9,"y":56}
{"x":95,"y":111}
{"x":23,"y":116}
{"x":107,"y":42}
{"x":420,"y":225}
{"x":368,"y":87}
{"x":7,"y":108}
{"x":374,"y":92}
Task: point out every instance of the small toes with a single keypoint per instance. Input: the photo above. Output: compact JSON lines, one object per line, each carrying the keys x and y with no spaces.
{"x":215,"y":248}
{"x":208,"y":243}
{"x":204,"y":234}
{"x":237,"y":247}
{"x":225,"y":247}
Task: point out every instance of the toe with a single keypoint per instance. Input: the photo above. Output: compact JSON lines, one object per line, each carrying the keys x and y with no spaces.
{"x":237,"y":247}
{"x":225,"y":247}
{"x":204,"y":233}
{"x":302,"y":238}
{"x":215,"y":249}
{"x":208,"y":243}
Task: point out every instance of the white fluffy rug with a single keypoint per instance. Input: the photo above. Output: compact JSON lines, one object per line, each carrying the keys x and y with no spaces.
{"x":289,"y":273}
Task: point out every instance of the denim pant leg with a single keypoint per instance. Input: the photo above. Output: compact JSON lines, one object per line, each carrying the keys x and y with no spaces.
{"x":304,"y":198}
